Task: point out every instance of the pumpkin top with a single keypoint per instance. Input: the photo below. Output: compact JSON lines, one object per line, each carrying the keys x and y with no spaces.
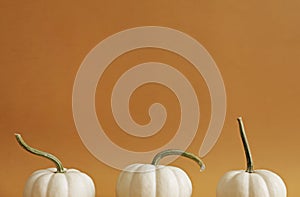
{"x":168,"y":152}
{"x":246,"y":146}
{"x":34,"y":151}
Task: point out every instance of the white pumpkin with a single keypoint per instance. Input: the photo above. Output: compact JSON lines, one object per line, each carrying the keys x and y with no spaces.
{"x":56,"y":182}
{"x":152,"y":180}
{"x":250,"y":182}
{"x":260,"y":183}
{"x":50,"y":183}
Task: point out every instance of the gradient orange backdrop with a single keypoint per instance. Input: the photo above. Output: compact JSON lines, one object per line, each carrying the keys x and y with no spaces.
{"x":256,"y":46}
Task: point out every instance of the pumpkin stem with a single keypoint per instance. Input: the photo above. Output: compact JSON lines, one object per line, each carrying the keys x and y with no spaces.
{"x":57,"y":162}
{"x":246,"y":146}
{"x":168,"y":152}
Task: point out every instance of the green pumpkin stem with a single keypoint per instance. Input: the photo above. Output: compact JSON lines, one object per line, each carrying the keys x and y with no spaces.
{"x":168,"y":152}
{"x":246,"y":146}
{"x":34,"y":151}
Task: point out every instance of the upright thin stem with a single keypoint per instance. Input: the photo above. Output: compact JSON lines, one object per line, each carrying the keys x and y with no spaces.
{"x":34,"y":151}
{"x":246,"y":146}
{"x":168,"y":152}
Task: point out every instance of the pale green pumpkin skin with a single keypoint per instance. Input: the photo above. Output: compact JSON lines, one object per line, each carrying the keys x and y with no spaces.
{"x":260,"y":183}
{"x":147,"y":180}
{"x":50,"y":183}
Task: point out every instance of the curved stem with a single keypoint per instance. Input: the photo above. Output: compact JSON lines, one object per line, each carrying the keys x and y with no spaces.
{"x":34,"y":151}
{"x":168,"y":152}
{"x":246,"y":146}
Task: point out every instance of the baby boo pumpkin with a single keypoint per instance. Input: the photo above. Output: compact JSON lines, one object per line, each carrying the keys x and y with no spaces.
{"x":254,"y":183}
{"x":153,"y":180}
{"x":56,"y":182}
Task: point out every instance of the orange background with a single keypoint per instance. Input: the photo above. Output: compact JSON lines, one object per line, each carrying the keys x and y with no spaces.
{"x":256,"y":46}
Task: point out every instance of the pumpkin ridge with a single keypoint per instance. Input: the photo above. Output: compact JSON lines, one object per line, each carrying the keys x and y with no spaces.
{"x":68,"y":183}
{"x":223,"y":183}
{"x":132,"y":178}
{"x":155,"y":177}
{"x":36,"y":180}
{"x":80,"y":182}
{"x":89,"y":180}
{"x":267,"y":185}
{"x":118,"y":182}
{"x":266,"y":176}
{"x":157,"y":173}
{"x":49,"y":183}
{"x":249,"y":180}
{"x":240,"y":173}
{"x":86,"y":181}
{"x":176,"y":178}
{"x":128,"y":173}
